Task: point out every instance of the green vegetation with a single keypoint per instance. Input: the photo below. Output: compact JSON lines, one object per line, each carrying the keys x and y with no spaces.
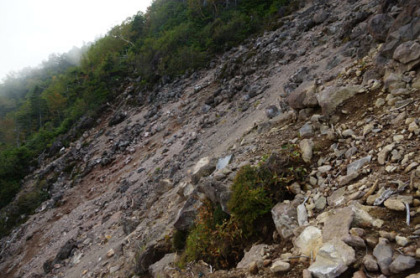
{"x":174,"y":37}
{"x":220,"y":239}
{"x":25,"y":205}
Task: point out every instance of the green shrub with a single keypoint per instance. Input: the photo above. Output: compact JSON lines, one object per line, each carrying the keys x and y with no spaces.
{"x":220,"y":244}
{"x":250,"y":199}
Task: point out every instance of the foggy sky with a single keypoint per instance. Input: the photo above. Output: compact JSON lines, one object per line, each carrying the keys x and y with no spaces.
{"x":31,"y":30}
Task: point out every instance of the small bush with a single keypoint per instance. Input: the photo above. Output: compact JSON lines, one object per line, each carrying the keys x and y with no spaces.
{"x":250,"y":199}
{"x":215,"y":238}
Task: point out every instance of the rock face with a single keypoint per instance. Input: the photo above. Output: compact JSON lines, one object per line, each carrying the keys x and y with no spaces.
{"x":332,"y":260}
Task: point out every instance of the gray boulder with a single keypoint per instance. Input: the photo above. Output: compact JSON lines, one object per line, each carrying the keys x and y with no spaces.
{"x":383,"y":254}
{"x":331,"y":97}
{"x":402,"y":263}
{"x":378,"y":26}
{"x":332,"y":259}
{"x":285,"y":216}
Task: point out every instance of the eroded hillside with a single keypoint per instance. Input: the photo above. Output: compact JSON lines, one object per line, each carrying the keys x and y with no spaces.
{"x":338,"y":81}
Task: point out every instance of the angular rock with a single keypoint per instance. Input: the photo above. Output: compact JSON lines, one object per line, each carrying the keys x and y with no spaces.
{"x":378,"y":26}
{"x":204,"y":167}
{"x":382,"y":155}
{"x":358,"y":164}
{"x":223,"y":162}
{"x":370,"y":263}
{"x":303,"y":97}
{"x":255,"y":254}
{"x":331,"y":97}
{"x":344,"y":180}
{"x":338,"y":224}
{"x":407,"y":52}
{"x":285,"y":217}
{"x":306,"y":147}
{"x":383,"y":254}
{"x":279,"y":266}
{"x":402,"y":263}
{"x":188,"y":212}
{"x":333,"y":259}
{"x":306,"y":131}
{"x":337,"y":197}
{"x":394,"y":204}
{"x":153,"y":252}
{"x":309,"y":241}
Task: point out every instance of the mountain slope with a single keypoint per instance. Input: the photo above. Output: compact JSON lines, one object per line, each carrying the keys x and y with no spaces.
{"x":322,"y":83}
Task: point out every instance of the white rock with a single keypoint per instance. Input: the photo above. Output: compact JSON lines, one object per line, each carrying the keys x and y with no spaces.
{"x":309,"y":241}
{"x":333,"y":259}
{"x":401,"y":241}
{"x":279,"y":266}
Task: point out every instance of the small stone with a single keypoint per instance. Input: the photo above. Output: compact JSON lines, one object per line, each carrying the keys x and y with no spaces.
{"x":306,"y":131}
{"x":320,"y":203}
{"x":394,"y":204}
{"x":306,"y":147}
{"x":358,"y":164}
{"x":279,"y":266}
{"x":402,"y":263}
{"x":401,"y":241}
{"x":413,"y":127}
{"x":344,"y":180}
{"x":348,"y":133}
{"x":379,"y":102}
{"x":324,"y":169}
{"x":370,"y":263}
{"x":382,"y":155}
{"x":110,"y":253}
{"x":114,"y":269}
{"x":398,"y":138}
{"x":418,"y":253}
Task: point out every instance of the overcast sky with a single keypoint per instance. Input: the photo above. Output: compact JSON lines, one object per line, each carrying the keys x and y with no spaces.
{"x":31,"y":30}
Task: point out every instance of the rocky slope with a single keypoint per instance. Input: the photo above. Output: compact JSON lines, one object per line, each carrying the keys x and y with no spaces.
{"x":339,"y":79}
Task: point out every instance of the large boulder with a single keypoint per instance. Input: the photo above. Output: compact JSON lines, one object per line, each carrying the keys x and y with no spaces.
{"x":331,"y":97}
{"x":333,"y":259}
{"x":203,"y":168}
{"x":309,"y":241}
{"x":408,"y":53}
{"x":164,"y":267}
{"x":285,"y":216}
{"x":378,"y":26}
{"x":303,"y":97}
{"x":188,"y":212}
{"x":153,"y":252}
